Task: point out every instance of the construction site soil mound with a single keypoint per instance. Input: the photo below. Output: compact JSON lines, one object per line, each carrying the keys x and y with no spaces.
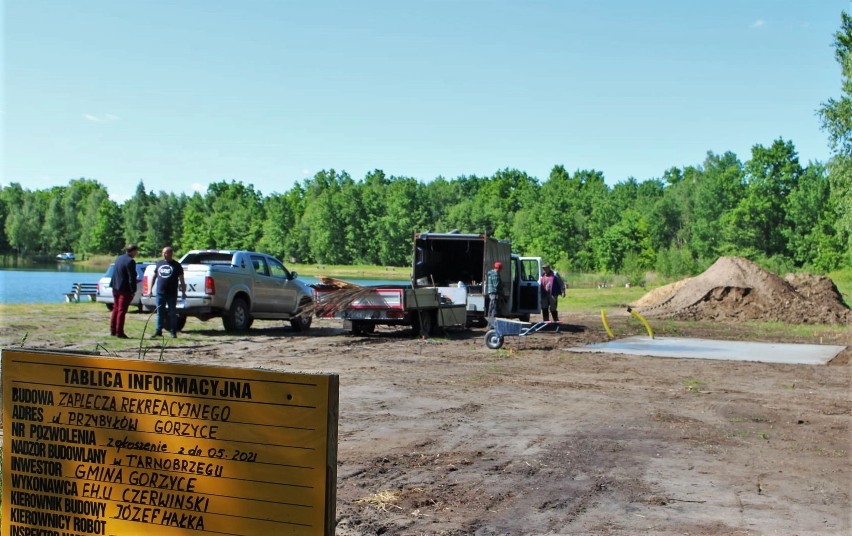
{"x":735,"y":288}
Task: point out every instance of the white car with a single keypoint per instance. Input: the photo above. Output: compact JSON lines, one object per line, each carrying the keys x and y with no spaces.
{"x":105,"y":290}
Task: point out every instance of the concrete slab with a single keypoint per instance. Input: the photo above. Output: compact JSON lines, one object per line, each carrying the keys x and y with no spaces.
{"x":799,"y":354}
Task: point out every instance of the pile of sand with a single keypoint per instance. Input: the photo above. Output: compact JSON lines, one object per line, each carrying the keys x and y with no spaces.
{"x":736,"y":288}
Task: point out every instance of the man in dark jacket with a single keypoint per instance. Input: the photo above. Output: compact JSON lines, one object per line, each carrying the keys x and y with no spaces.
{"x":552,"y":287}
{"x":123,"y":283}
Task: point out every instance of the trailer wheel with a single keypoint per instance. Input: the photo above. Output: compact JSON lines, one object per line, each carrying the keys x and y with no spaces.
{"x":362,"y":328}
{"x":426,"y":323}
{"x":237,"y":318}
{"x":493,"y":340}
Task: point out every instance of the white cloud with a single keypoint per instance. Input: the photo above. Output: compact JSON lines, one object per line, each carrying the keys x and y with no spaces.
{"x":306,"y":172}
{"x":105,"y":118}
{"x":759,"y":23}
{"x":198,"y":187}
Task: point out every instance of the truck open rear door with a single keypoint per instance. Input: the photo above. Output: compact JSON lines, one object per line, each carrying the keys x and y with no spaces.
{"x":529,"y":294}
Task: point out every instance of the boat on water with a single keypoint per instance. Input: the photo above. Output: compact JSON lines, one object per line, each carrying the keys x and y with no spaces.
{"x":66,"y":256}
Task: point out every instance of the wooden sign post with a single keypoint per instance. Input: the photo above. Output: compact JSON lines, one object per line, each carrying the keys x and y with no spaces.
{"x":104,"y":446}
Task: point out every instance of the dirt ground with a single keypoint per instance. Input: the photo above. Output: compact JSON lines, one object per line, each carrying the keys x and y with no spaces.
{"x":444,"y":436}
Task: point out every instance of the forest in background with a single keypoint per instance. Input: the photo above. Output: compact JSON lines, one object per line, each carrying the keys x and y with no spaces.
{"x":770,"y":208}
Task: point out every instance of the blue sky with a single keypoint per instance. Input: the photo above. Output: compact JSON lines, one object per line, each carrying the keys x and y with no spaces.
{"x":179,"y":94}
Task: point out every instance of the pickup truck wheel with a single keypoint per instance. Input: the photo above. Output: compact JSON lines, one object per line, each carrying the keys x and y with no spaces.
{"x":109,"y":306}
{"x":301,"y":323}
{"x":181,"y":322}
{"x":237,"y":318}
{"x":492,"y":340}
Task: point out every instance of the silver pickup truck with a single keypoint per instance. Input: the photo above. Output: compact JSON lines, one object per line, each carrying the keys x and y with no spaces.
{"x":239,"y":287}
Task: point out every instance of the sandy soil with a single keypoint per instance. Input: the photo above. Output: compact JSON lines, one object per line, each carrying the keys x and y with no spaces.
{"x":444,"y":436}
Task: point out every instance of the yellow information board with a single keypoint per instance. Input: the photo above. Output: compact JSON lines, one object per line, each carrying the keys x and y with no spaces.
{"x":116,"y":447}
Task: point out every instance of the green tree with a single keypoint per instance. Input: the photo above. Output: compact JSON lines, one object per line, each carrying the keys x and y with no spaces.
{"x":279,"y":221}
{"x":757,"y":226}
{"x":89,"y":216}
{"x":811,"y":215}
{"x":134,"y":216}
{"x":23,"y":225}
{"x":106,"y":236}
{"x":236,"y":215}
{"x":836,"y":115}
{"x":80,"y":203}
{"x":163,"y":222}
{"x":322,"y":221}
{"x":195,"y":232}
{"x":718,"y":187}
{"x":54,"y":231}
{"x":404,"y":214}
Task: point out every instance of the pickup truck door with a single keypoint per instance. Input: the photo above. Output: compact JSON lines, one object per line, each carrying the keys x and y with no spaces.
{"x":285,"y":293}
{"x":264,"y":286}
{"x":529,"y":295}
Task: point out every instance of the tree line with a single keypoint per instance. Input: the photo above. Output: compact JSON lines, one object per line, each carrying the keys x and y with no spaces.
{"x":770,"y":208}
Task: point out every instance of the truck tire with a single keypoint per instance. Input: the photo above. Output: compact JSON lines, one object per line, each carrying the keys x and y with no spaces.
{"x":493,"y":340}
{"x":301,"y":323}
{"x":109,"y":307}
{"x":181,"y":322}
{"x":237,"y":318}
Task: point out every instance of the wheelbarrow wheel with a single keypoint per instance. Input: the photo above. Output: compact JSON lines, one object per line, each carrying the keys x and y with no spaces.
{"x":493,"y":340}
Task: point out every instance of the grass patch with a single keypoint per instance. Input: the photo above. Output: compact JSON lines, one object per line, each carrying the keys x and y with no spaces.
{"x":381,"y":500}
{"x":693,"y":385}
{"x":843,"y":280}
{"x":591,"y":300}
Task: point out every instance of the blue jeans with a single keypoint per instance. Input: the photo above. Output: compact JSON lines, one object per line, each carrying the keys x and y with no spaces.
{"x":166,"y":306}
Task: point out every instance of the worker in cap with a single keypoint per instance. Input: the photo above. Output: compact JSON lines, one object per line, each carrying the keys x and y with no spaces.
{"x":494,"y":289}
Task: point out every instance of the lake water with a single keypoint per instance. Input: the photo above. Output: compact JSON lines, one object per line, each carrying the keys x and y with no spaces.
{"x":50,"y":285}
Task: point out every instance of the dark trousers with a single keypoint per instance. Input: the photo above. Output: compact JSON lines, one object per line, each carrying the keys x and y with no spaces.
{"x":120,"y":304}
{"x":548,"y":308}
{"x":493,"y":301}
{"x":167,"y":311}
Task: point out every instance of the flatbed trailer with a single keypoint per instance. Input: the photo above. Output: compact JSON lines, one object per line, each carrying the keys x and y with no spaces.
{"x":447,"y":287}
{"x":425,"y":308}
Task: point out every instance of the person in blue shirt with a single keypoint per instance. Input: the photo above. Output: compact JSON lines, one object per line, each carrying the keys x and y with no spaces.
{"x":552,"y":287}
{"x":168,"y":278}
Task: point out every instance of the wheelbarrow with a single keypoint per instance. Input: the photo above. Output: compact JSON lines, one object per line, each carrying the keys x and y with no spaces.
{"x":503,"y":327}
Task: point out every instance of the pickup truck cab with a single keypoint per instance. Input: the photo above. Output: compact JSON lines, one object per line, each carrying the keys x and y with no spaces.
{"x":238,"y":287}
